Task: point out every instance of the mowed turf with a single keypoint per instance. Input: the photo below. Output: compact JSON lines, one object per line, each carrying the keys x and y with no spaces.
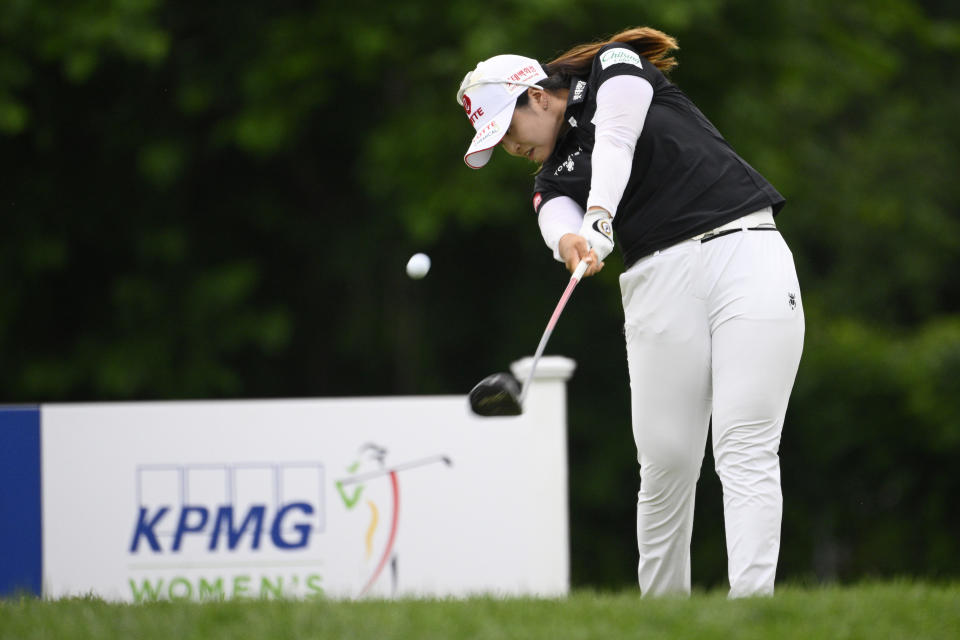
{"x":872,"y":611}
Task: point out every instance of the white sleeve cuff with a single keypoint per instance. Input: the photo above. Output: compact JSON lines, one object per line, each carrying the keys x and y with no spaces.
{"x":558,"y":217}
{"x":622,"y":105}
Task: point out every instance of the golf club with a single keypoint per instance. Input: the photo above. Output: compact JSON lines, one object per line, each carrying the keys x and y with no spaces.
{"x":500,"y":394}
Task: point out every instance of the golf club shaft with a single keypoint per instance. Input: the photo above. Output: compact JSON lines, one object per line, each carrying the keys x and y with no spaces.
{"x":574,"y":279}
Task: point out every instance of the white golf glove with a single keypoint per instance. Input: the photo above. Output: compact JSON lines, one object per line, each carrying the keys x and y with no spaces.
{"x":597,"y":228}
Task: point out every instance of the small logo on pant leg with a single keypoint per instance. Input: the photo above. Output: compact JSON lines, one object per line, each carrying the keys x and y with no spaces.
{"x":792,"y":300}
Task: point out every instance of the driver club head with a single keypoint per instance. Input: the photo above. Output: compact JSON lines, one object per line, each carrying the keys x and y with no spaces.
{"x":496,"y":395}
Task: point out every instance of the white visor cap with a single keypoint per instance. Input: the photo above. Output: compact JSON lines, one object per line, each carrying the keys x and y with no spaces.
{"x":489,"y":95}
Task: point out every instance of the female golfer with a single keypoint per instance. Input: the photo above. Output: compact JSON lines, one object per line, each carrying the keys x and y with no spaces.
{"x":713,"y":314}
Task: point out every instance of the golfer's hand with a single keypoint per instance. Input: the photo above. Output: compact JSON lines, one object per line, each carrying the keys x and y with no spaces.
{"x":597,"y":228}
{"x":573,"y":248}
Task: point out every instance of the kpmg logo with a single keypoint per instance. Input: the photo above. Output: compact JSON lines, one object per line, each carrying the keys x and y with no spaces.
{"x":208,"y":508}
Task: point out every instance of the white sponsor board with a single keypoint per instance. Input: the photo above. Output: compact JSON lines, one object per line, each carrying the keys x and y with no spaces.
{"x":306,"y":498}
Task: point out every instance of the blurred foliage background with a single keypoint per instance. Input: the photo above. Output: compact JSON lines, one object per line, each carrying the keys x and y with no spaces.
{"x":217,"y":200}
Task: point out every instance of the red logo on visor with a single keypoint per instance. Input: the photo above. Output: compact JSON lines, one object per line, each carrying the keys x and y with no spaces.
{"x":466,"y":104}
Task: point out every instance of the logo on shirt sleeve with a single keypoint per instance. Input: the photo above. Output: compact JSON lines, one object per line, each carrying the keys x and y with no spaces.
{"x":619,"y":56}
{"x":537,"y":199}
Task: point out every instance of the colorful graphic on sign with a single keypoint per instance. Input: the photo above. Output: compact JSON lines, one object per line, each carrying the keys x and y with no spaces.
{"x":351,"y":490}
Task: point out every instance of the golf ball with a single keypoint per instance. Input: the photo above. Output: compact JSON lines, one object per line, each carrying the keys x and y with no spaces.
{"x":418,"y":265}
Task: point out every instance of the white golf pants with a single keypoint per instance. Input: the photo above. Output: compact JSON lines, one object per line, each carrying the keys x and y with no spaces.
{"x":712,"y":328}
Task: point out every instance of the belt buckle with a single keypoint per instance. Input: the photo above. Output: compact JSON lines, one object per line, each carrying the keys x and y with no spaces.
{"x":705,"y":235}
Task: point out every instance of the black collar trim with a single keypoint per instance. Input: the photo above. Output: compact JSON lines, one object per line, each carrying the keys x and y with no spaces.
{"x":578,"y":92}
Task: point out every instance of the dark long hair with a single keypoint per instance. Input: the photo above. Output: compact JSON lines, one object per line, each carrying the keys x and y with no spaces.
{"x":655,"y":46}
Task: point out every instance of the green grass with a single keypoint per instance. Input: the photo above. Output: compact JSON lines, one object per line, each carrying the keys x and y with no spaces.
{"x":871,"y":611}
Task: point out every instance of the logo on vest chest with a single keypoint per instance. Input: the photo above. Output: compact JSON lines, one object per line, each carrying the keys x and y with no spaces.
{"x":569,"y":164}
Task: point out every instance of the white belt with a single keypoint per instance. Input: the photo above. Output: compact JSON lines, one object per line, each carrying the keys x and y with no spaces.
{"x":762,"y":219}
